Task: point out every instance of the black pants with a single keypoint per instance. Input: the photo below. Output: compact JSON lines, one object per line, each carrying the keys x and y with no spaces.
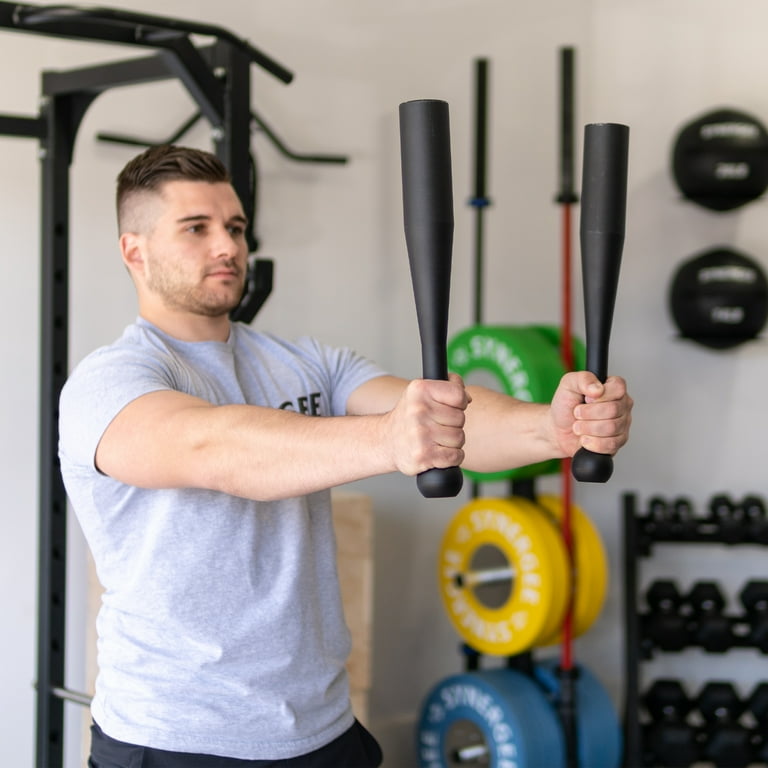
{"x":355,"y":748}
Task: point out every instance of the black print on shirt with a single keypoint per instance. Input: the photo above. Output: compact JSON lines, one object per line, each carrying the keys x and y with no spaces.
{"x":308,"y":404}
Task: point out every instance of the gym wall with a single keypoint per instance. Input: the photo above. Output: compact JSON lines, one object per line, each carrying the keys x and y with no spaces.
{"x":336,"y":236}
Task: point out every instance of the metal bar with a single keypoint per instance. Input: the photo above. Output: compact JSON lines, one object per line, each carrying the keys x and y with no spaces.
{"x":233,"y":140}
{"x":471,"y":753}
{"x":119,"y":138}
{"x":27,"y":127}
{"x":51,"y":603}
{"x":184,"y":61}
{"x":300,"y":157}
{"x":485,"y":576}
{"x":65,"y":694}
{"x":74,"y":28}
{"x":62,"y":115}
{"x":56,"y":17}
{"x":145,"y":69}
{"x":633,"y":739}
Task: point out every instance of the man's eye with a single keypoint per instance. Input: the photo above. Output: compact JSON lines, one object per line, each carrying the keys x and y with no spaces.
{"x":195,"y":228}
{"x":236,"y":230}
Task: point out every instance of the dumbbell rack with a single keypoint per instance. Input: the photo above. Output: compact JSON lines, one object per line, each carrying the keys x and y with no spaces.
{"x":679,"y":527}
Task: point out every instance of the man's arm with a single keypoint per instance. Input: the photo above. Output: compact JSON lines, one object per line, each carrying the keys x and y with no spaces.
{"x":502,"y":432}
{"x":168,"y":439}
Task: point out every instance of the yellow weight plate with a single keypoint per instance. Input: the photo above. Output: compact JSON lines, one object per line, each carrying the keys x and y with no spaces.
{"x":502,"y":575}
{"x":556,"y":551}
{"x":591,"y":568}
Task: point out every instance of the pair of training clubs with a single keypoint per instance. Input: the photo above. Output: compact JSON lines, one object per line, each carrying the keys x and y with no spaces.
{"x":428,"y":219}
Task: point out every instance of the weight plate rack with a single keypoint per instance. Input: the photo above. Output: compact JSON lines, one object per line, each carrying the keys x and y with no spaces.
{"x":666,"y":724}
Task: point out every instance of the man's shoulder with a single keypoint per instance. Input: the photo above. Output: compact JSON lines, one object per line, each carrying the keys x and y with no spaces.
{"x":137,"y":345}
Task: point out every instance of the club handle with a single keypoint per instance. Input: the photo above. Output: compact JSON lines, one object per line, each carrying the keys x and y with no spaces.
{"x":603,"y":220}
{"x":428,"y":220}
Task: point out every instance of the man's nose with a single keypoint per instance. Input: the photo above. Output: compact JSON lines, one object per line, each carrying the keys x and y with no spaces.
{"x":225,"y":243}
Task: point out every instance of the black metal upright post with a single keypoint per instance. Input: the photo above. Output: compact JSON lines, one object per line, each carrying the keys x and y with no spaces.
{"x":232,"y":138}
{"x":61,"y":116}
{"x":633,"y":747}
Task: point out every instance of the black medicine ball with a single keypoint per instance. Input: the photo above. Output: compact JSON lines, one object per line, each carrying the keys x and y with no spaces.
{"x":719,"y":298}
{"x":720,"y":160}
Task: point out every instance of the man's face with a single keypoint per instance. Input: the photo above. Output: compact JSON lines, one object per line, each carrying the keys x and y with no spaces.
{"x":195,"y":252}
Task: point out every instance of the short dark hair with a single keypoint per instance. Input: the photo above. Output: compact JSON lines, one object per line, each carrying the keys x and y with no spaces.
{"x":157,"y":165}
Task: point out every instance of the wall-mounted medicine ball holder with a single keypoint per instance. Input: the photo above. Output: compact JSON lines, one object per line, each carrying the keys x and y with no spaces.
{"x":522,"y":361}
{"x":719,"y":298}
{"x":720,"y":159}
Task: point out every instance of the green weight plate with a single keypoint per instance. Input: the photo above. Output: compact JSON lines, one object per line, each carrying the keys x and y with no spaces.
{"x":521,"y":361}
{"x":496,"y":718}
{"x":553,"y":333}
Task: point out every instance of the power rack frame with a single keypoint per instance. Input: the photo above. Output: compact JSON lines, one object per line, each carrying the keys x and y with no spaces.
{"x":217,"y":76}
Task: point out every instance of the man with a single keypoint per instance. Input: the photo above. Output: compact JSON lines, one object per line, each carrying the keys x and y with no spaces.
{"x":198,"y":455}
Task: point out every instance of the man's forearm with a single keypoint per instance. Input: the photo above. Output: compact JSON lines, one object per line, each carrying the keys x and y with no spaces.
{"x":267,"y":454}
{"x":503,"y":433}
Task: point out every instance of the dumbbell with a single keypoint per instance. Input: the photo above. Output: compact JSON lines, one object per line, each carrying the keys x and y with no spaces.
{"x":664,"y":625}
{"x":710,"y":628}
{"x":757,"y":704}
{"x":753,"y":512}
{"x":684,"y":520}
{"x":754,"y":598}
{"x":671,"y":520}
{"x":659,"y":515}
{"x":669,"y":737}
{"x":728,"y":517}
{"x":727,"y":742}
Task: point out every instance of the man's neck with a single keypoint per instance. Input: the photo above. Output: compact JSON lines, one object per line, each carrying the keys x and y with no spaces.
{"x":189,"y":327}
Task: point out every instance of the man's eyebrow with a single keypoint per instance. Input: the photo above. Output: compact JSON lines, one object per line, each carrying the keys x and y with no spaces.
{"x":205,"y":217}
{"x":193,"y":217}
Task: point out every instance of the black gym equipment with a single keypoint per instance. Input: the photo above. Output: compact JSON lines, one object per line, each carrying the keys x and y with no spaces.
{"x":601,"y":233}
{"x":728,"y":517}
{"x":728,"y":521}
{"x":670,"y":739}
{"x":664,"y":625}
{"x":217,"y":77}
{"x":754,"y":516}
{"x":726,"y":741}
{"x":754,"y":598}
{"x":711,"y":629}
{"x":720,"y":159}
{"x":719,"y":298}
{"x":673,"y":518}
{"x":661,"y":726}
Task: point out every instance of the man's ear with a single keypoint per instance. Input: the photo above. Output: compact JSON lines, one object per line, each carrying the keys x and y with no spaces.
{"x":132,"y":252}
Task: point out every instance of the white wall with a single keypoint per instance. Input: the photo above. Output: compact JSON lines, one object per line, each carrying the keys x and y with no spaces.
{"x":335,"y":234}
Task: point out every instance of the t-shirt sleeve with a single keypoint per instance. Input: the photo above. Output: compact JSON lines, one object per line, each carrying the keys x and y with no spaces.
{"x":97,"y":390}
{"x":346,"y":371}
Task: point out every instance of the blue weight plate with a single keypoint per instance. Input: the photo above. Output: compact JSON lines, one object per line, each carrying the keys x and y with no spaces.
{"x":599,"y":734}
{"x":498,"y":718}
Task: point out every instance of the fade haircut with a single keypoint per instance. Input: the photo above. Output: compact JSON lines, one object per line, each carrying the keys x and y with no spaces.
{"x":154,"y":167}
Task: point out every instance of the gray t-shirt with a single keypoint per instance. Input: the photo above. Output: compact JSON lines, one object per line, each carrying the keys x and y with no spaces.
{"x":221,"y":629}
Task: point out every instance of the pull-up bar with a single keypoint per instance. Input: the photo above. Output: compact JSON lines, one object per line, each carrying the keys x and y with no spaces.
{"x":118,"y":26}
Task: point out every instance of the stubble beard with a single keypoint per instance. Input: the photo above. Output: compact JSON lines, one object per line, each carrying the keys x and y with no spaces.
{"x":196,"y":299}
